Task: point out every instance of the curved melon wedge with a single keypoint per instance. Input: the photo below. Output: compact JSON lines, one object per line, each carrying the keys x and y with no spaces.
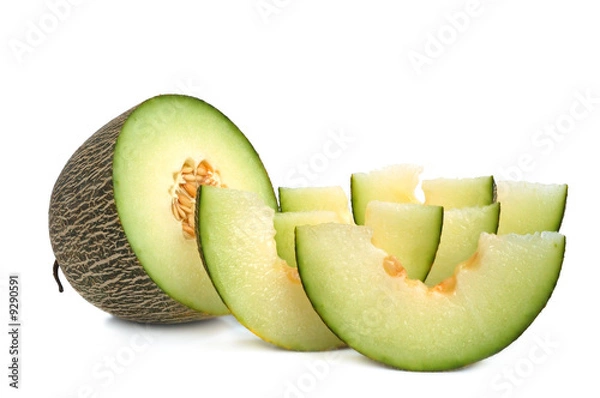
{"x":529,"y":207}
{"x":409,"y":231}
{"x":460,"y":236}
{"x":365,"y":298}
{"x":237,"y":241}
{"x":459,"y":192}
{"x":329,"y":198}
{"x":395,"y":183}
{"x":285,"y":224}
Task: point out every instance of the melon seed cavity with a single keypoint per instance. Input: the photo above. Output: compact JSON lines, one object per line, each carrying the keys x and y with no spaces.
{"x":183,"y":193}
{"x":394,"y":268}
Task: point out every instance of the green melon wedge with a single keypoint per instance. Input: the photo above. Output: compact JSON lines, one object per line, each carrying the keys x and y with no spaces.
{"x":237,"y":239}
{"x":459,"y":192}
{"x":330,"y":198}
{"x":409,"y":231}
{"x":367,"y":300}
{"x":460,"y":236}
{"x":529,"y":207}
{"x":285,"y":225}
{"x":394,"y":183}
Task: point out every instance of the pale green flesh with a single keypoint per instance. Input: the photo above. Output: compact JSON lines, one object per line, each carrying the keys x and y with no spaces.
{"x":404,"y":324}
{"x":237,"y":239}
{"x":285,"y":223}
{"x":153,"y":145}
{"x":332,"y":198}
{"x":459,"y":192}
{"x":396,"y":183}
{"x":529,"y":207}
{"x":460,"y":236}
{"x":409,"y":231}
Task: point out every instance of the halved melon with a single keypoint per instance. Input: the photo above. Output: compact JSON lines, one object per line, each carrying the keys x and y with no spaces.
{"x":122,"y":210}
{"x":331,"y":198}
{"x":364,"y":296}
{"x":529,"y":207}
{"x":237,"y":239}
{"x":409,"y":231}
{"x":394,"y":183}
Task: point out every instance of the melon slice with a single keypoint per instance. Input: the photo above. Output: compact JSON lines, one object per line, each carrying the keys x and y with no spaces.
{"x":459,"y":192}
{"x":460,"y":236}
{"x":331,"y":198}
{"x":409,"y":231}
{"x":364,"y":296}
{"x":285,"y":225}
{"x":237,"y":239}
{"x":122,"y":210}
{"x":395,"y":183}
{"x":529,"y":207}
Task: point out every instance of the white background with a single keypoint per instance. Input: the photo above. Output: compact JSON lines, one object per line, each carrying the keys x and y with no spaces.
{"x":290,"y":76}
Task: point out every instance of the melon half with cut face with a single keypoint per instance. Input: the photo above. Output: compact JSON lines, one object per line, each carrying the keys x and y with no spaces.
{"x":121,"y":217}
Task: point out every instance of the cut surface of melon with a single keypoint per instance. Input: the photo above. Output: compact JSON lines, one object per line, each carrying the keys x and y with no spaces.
{"x":460,"y":236}
{"x":285,"y":224}
{"x":459,"y":192}
{"x":487,"y":304}
{"x":409,"y":231}
{"x":237,"y":240}
{"x":394,"y":183}
{"x":330,"y":198}
{"x":529,"y":207}
{"x":159,"y":140}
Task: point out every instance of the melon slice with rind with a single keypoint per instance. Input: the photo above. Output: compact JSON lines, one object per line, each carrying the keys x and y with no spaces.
{"x":285,"y":224}
{"x":460,"y":236}
{"x":409,"y":231}
{"x":395,"y":183}
{"x":237,"y":240}
{"x":529,"y":207}
{"x":365,"y":297}
{"x":329,"y":198}
{"x":459,"y":192}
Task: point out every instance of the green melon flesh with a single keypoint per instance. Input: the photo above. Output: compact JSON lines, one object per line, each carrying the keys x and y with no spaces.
{"x":155,"y":141}
{"x":459,"y":192}
{"x":460,"y":236}
{"x":409,"y":231}
{"x":331,"y":198}
{"x":395,"y":183}
{"x":489,"y":302}
{"x":285,"y":224}
{"x":529,"y":207}
{"x":237,"y":240}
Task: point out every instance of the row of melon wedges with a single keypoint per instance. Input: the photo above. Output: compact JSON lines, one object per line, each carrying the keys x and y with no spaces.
{"x":441,"y":224}
{"x":330,"y":282}
{"x":167,"y":214}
